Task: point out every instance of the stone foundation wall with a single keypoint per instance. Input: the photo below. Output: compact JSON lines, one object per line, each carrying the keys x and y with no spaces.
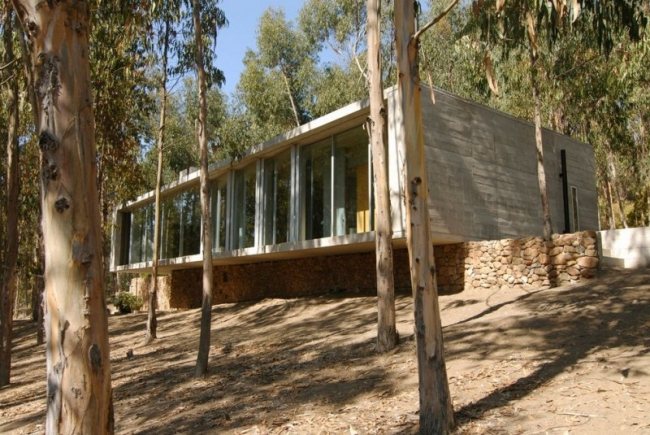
{"x":529,"y":261}
{"x":351,"y":273}
{"x":140,"y":287}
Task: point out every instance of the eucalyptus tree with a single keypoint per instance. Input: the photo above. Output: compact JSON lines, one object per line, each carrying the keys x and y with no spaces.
{"x":176,"y":45}
{"x":12,"y":179}
{"x":386,"y":331}
{"x":167,"y":14}
{"x":526,"y":23}
{"x":340,"y":25}
{"x":207,"y":19}
{"x":284,"y":54}
{"x":436,"y":411}
{"x":78,"y":363}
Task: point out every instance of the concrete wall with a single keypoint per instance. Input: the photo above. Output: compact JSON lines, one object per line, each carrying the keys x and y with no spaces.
{"x":482,"y":172}
{"x":630,"y":245}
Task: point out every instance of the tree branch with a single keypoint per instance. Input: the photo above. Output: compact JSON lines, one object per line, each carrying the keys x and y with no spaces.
{"x":433,"y":22}
{"x":11,"y":77}
{"x":3,"y":67}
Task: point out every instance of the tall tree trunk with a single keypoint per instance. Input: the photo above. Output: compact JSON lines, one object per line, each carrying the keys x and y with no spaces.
{"x":386,"y":331}
{"x":610,"y":202}
{"x":152,"y":322}
{"x":539,"y":146}
{"x":611,"y":165}
{"x":206,"y":222}
{"x":436,"y":412}
{"x":294,"y":107}
{"x":11,"y":253}
{"x":78,"y":364}
{"x":39,"y":287}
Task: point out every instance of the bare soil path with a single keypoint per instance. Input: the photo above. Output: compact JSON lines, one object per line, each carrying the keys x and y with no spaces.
{"x":567,"y":360}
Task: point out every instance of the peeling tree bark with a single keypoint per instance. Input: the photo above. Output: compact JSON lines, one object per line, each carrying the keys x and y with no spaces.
{"x":206,"y":221}
{"x":386,"y":331}
{"x":78,"y":364}
{"x":8,"y":289}
{"x":436,"y":412}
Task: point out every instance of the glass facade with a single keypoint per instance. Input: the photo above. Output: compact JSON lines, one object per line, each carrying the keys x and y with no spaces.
{"x":351,"y":183}
{"x":244,"y":208}
{"x":306,"y":192}
{"x":141,"y":237}
{"x":335,"y":188}
{"x":218,"y":197}
{"x":277,"y":198}
{"x":316,"y":190}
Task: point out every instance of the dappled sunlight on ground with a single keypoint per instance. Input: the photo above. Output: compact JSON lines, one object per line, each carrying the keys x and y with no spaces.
{"x":520,"y":361}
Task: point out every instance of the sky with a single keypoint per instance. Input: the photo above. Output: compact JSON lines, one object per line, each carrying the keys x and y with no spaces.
{"x":234,"y":40}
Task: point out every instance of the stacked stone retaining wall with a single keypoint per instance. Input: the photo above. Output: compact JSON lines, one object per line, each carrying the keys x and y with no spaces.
{"x":530,"y":261}
{"x":526,"y":262}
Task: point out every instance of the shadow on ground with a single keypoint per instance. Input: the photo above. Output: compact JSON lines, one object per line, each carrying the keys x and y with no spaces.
{"x":279,"y":361}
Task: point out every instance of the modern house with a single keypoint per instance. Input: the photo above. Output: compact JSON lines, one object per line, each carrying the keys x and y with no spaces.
{"x":307,"y":196}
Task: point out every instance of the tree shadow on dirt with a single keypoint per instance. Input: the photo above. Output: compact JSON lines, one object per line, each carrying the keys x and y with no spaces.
{"x":265,"y":360}
{"x":566,"y":326}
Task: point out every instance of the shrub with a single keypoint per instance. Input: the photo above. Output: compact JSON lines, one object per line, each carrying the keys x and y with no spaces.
{"x":127,"y":302}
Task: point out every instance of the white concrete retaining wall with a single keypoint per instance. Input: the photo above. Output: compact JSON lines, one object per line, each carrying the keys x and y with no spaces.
{"x":630,"y":246}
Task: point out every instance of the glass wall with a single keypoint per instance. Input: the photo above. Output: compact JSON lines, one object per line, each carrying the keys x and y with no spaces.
{"x":244,"y":208}
{"x":218,"y":197}
{"x":335,"y":199}
{"x":170,"y":230}
{"x":180,"y":231}
{"x":141,"y":237}
{"x":316,"y":190}
{"x":351,"y":186}
{"x":332,"y":197}
{"x":190,"y":234}
{"x":277,"y":198}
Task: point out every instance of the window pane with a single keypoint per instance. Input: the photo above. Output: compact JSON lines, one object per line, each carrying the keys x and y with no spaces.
{"x":137,"y":231}
{"x":315,"y":174}
{"x":244,"y":208}
{"x":218,"y":203}
{"x":148,"y":232}
{"x":191,"y":223}
{"x":351,"y":184}
{"x":170,"y":229}
{"x":277,"y":199}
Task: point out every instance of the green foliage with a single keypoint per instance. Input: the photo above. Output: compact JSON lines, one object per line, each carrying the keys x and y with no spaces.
{"x":127,"y":302}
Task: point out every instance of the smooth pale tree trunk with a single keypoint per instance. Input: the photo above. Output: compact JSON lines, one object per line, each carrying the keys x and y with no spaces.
{"x":436,"y":412}
{"x":12,"y":185}
{"x":386,"y":331}
{"x":539,"y":148}
{"x":294,"y":108}
{"x":78,"y":365}
{"x":206,"y":221}
{"x":152,"y":322}
{"x":611,"y":165}
{"x":610,"y":203}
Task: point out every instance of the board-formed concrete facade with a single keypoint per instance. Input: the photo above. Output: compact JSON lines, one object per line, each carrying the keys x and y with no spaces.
{"x":308,"y":192}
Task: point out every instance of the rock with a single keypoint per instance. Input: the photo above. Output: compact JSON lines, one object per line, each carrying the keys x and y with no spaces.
{"x":573,"y":271}
{"x":560,"y":259}
{"x":588,"y":262}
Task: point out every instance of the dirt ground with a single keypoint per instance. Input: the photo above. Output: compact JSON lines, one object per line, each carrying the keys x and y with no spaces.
{"x":573,"y":360}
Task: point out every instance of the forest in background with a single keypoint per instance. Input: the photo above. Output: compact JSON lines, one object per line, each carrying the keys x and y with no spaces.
{"x":596,"y":98}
